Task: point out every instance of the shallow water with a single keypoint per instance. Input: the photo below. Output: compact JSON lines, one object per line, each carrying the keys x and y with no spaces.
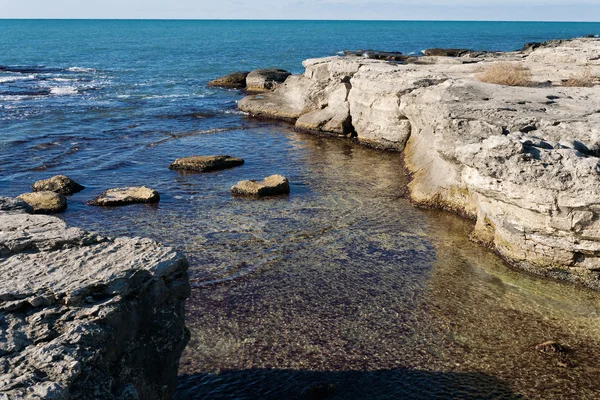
{"x":342,"y":288}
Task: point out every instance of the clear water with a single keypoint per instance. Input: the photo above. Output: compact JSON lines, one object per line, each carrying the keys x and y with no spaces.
{"x":342,"y":289}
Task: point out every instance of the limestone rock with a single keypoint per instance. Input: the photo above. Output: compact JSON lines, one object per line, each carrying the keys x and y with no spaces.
{"x":45,"y":202}
{"x":60,"y":184}
{"x":235,"y":80}
{"x":262,"y":80}
{"x":84,"y":316}
{"x":126,"y":195}
{"x":270,"y":186}
{"x":12,"y":205}
{"x":523,"y":162}
{"x":205,"y":163}
{"x":447,"y":52}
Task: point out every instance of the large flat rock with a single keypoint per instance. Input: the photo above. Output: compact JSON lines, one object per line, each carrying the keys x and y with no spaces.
{"x":84,"y":316}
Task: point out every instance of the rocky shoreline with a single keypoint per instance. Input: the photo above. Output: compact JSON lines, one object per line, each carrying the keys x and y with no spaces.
{"x":522,"y":161}
{"x":85,"y":316}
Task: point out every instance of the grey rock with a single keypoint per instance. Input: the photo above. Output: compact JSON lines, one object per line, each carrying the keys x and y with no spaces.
{"x":126,"y":195}
{"x":205,"y":163}
{"x":13,"y":205}
{"x":84,"y":316}
{"x":270,"y":186}
{"x":45,"y":202}
{"x":61,"y":184}
{"x":262,"y":80}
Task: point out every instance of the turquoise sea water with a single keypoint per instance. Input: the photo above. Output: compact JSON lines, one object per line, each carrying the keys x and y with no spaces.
{"x":343,"y":289}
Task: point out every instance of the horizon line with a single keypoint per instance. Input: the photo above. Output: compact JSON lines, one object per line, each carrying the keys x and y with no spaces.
{"x":289,"y":20}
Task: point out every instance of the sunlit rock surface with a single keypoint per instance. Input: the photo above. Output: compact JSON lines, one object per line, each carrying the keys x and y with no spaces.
{"x":522,"y":161}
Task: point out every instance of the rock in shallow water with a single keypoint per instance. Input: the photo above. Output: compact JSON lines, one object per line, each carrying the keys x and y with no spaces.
{"x":45,"y":202}
{"x":262,"y":80}
{"x":126,"y":195}
{"x":235,"y":80}
{"x":84,"y":316}
{"x":270,"y":186}
{"x":60,"y":184}
{"x":205,"y":163}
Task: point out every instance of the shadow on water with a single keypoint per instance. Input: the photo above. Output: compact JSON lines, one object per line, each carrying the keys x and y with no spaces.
{"x":399,"y":383}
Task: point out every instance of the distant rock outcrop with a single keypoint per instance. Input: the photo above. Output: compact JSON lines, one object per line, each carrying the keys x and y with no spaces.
{"x":205,"y":163}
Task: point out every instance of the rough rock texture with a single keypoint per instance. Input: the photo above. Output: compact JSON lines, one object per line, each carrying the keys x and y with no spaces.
{"x":45,"y":202}
{"x":82,"y":316}
{"x":12,"y":205}
{"x":262,"y":80}
{"x":235,"y":80}
{"x":270,"y":186}
{"x":205,"y":163}
{"x":522,"y":161}
{"x":60,"y":184}
{"x":126,"y":195}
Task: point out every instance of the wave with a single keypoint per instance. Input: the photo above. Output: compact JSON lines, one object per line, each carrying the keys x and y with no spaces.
{"x":80,"y":69}
{"x":9,"y":79}
{"x":63,"y":90}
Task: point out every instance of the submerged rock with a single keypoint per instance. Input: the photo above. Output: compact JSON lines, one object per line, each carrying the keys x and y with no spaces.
{"x":235,"y":80}
{"x":45,"y":202}
{"x":270,"y":186}
{"x":205,"y":163}
{"x":84,"y":316}
{"x":262,"y":80}
{"x":13,"y":205}
{"x":60,"y":184}
{"x":126,"y":195}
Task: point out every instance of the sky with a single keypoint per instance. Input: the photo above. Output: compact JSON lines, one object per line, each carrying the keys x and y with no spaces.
{"x":507,"y":10}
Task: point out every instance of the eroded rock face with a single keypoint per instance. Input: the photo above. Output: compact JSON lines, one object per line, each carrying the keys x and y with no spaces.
{"x":45,"y":202}
{"x":205,"y":163}
{"x":522,"y":161}
{"x":235,"y":80}
{"x":270,"y":186}
{"x":61,"y":184}
{"x":127,"y":195}
{"x":85,"y":316}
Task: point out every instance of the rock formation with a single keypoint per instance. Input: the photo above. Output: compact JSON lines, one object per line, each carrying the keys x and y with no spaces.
{"x":84,"y":316}
{"x":522,"y":161}
{"x":61,"y":184}
{"x":235,"y":80}
{"x":270,"y":186}
{"x":45,"y":202}
{"x":126,"y":195}
{"x":205,"y":163}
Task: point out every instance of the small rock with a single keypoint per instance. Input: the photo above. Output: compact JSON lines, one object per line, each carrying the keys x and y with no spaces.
{"x":126,"y":195}
{"x":205,"y":163}
{"x":263,"y":80}
{"x":235,"y":80}
{"x":551,"y":347}
{"x":60,"y":184}
{"x":13,"y":205}
{"x":45,"y":202}
{"x":270,"y":186}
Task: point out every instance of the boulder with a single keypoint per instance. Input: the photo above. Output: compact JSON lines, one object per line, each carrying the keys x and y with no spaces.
{"x":263,"y":80}
{"x":270,"y":186}
{"x":60,"y":184}
{"x":84,"y":316}
{"x":12,"y":205}
{"x":126,"y":195}
{"x":45,"y":202}
{"x":235,"y":80}
{"x":205,"y":163}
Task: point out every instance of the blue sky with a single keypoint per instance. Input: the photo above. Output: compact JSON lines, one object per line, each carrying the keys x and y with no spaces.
{"x":528,"y":10}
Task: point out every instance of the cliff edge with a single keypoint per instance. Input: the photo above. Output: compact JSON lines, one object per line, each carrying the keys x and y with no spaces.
{"x":84,"y":316}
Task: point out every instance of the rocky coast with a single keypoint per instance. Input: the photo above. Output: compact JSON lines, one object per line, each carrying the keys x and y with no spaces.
{"x":85,"y":316}
{"x":522,"y":161}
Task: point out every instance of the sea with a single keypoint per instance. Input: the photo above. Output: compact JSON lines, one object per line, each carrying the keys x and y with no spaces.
{"x":341,"y":290}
